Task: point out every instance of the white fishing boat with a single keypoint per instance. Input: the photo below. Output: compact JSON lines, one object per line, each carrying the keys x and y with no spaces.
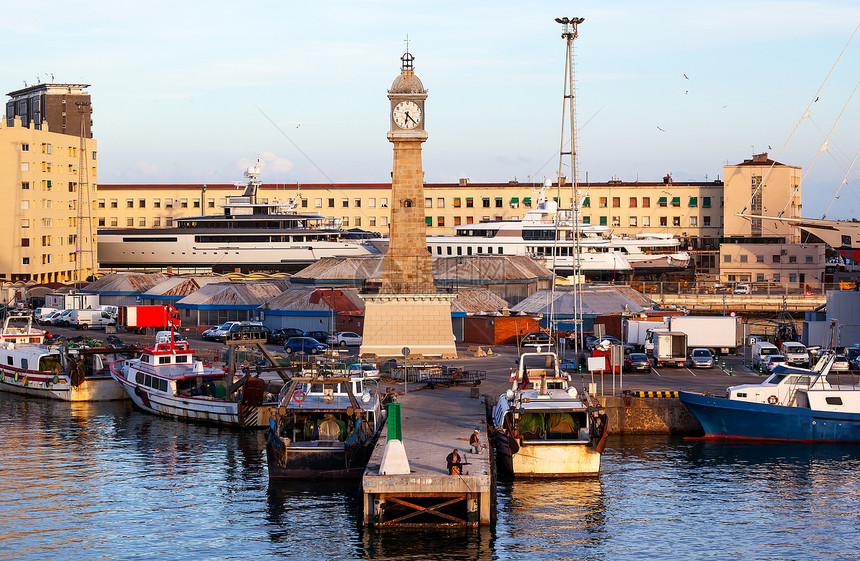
{"x":29,"y":366}
{"x":249,"y":235}
{"x":168,"y":380}
{"x":543,"y":427}
{"x":325,"y":428}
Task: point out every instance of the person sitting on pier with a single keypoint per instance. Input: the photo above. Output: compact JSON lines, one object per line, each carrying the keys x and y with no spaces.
{"x":454,"y":462}
{"x":475,"y":442}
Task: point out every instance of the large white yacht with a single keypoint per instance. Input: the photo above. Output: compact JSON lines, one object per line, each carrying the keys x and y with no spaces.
{"x":249,"y":236}
{"x":548,"y":235}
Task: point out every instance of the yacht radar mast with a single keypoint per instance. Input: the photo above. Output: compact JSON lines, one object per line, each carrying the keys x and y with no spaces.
{"x":569,"y":32}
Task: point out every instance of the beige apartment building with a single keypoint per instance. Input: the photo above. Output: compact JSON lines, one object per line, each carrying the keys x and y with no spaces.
{"x":726,"y":247}
{"x":43,"y":194}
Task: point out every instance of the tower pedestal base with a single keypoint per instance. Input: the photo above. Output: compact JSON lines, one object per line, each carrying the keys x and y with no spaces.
{"x":421,"y":322}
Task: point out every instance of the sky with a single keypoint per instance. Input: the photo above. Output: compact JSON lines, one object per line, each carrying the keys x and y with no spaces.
{"x":191,"y":92}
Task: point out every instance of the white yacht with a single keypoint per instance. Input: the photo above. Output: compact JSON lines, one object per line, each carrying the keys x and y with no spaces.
{"x":249,"y":235}
{"x":548,"y":235}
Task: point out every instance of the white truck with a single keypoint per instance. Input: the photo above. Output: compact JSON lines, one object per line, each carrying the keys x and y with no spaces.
{"x":637,"y":330}
{"x":669,"y":347}
{"x":717,"y":333}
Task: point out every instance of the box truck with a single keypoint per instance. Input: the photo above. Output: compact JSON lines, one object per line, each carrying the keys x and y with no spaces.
{"x":669,"y":347}
{"x":139,"y":318}
{"x":637,"y":330}
{"x":717,"y":333}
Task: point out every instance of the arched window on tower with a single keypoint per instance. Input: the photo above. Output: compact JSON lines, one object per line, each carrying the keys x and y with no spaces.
{"x":407,"y":203}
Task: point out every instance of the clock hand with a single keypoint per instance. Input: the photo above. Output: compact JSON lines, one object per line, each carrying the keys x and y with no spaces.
{"x":408,"y":116}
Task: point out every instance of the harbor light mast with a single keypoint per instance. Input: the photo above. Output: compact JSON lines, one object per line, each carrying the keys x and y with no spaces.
{"x":569,"y":32}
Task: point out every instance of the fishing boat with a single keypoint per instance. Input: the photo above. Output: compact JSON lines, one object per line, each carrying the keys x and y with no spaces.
{"x":792,"y":404}
{"x":325,"y":428}
{"x":31,"y":366}
{"x":543,"y":427}
{"x":250,"y":235}
{"x":168,"y":380}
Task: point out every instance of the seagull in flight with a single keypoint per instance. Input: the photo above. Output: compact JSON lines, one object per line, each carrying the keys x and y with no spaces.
{"x":687,"y":77}
{"x":661,"y":130}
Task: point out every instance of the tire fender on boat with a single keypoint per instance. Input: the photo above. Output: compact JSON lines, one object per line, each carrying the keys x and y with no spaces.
{"x":773,"y":400}
{"x":299,"y":396}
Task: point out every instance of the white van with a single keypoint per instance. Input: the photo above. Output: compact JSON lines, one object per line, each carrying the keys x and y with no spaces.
{"x":42,"y":313}
{"x":84,"y":319}
{"x":795,"y":353}
{"x":761,"y":351}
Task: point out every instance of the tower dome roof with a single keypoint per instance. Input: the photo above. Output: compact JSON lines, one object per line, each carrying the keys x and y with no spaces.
{"x":407,"y":83}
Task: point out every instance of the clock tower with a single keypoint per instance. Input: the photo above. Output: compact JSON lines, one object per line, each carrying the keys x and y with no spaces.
{"x":407,"y":266}
{"x":407,"y":316}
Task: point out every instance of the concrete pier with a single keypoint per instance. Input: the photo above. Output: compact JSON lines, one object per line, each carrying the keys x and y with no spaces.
{"x":434,"y":422}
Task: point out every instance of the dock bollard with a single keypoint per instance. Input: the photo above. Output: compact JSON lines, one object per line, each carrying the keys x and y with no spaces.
{"x":724,"y":365}
{"x":731,"y":369}
{"x":760,"y":370}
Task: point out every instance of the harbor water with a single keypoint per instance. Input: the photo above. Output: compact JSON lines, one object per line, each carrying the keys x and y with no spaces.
{"x":103,"y":481}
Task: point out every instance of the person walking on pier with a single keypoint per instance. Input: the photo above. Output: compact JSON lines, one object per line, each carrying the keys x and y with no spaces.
{"x":475,"y":442}
{"x":454,"y":462}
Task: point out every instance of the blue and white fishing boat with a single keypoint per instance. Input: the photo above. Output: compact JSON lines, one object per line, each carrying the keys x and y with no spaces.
{"x":793,"y":404}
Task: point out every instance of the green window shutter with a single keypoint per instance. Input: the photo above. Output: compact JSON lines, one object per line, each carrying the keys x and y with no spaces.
{"x":428,"y":220}
{"x":586,"y":220}
{"x":676,"y":201}
{"x":694,"y":202}
{"x":603,"y":221}
{"x":661,"y":201}
{"x":706,"y":202}
{"x":586,"y":202}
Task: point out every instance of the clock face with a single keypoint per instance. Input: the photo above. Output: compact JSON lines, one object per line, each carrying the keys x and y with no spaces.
{"x":406,"y":115}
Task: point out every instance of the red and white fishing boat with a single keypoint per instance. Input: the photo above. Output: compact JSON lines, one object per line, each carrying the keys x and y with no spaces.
{"x":29,"y":366}
{"x":168,"y":380}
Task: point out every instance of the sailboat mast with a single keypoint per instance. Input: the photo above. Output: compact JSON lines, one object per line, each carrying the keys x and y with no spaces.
{"x":570,"y":31}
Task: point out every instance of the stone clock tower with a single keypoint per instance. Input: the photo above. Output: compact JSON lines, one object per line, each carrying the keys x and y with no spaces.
{"x":407,"y":313}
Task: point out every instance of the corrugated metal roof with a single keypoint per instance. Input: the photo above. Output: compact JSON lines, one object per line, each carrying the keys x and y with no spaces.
{"x":313,"y":299}
{"x":233,"y":294}
{"x":474,"y":300}
{"x":177,"y":286}
{"x":342,"y":268}
{"x":136,"y":283}
{"x":596,"y":300}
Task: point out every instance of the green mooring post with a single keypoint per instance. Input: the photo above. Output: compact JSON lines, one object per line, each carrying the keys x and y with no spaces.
{"x":731,"y":370}
{"x":395,"y":429}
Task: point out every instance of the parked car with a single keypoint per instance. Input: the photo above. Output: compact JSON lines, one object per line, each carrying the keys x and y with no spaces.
{"x":209,"y":334}
{"x":220,"y":334}
{"x":366,"y":370}
{"x":773,"y":361}
{"x":701,"y":358}
{"x":49,"y":319}
{"x":612,"y":341}
{"x":637,"y":362}
{"x":321,"y":336}
{"x":841,"y":364}
{"x":343,"y":339}
{"x":743,"y":289}
{"x":250,"y":330}
{"x":307,"y":345}
{"x":280,"y":336}
{"x":63,"y":319}
{"x":536,"y":338}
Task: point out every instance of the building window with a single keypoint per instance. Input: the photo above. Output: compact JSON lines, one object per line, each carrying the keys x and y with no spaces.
{"x":727,"y":258}
{"x":706,"y":202}
{"x":676,"y":201}
{"x":633,"y":202}
{"x":633,"y":221}
{"x":694,"y":221}
{"x":776,"y":259}
{"x":792,"y":258}
{"x":25,"y":261}
{"x":661,"y":202}
{"x":183,"y":203}
{"x":499,"y":202}
{"x":586,"y":220}
{"x":129,"y":222}
{"x":156,"y":203}
{"x":210,"y":203}
{"x":603,"y":221}
{"x":344,"y":203}
{"x":195,"y":203}
{"x":25,"y":166}
{"x":586,"y":202}
{"x":141,"y":203}
{"x":356,"y":203}
{"x":743,"y":258}
{"x":428,"y":220}
{"x":759,"y":277}
{"x":776,"y":277}
{"x":706,"y":221}
{"x":616,"y":221}
{"x":616,"y":202}
{"x":676,"y":221}
{"x":25,"y":185}
{"x":646,"y":221}
{"x":156,"y":222}
{"x":101,"y":222}
{"x":457,"y":221}
{"x":371,"y":221}
{"x":694,"y":202}
{"x":440,"y":221}
{"x":141,"y":222}
{"x":602,"y":202}
{"x":485,"y":202}
{"x":357,"y":221}
{"x":317,"y":203}
{"x":25,"y":223}
{"x":810,"y":259}
{"x":25,"y":204}
{"x":100,"y":203}
{"x":646,"y":202}
{"x":113,"y":221}
{"x":664,"y":221}
{"x":428,"y":202}
{"x":792,"y":278}
{"x":759,"y":258}
{"x":470,"y":220}
{"x":25,"y":242}
{"x":440,"y":202}
{"x":168,"y":203}
{"x":129,"y":203}
{"x":25,"y":148}
{"x":383,"y":202}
